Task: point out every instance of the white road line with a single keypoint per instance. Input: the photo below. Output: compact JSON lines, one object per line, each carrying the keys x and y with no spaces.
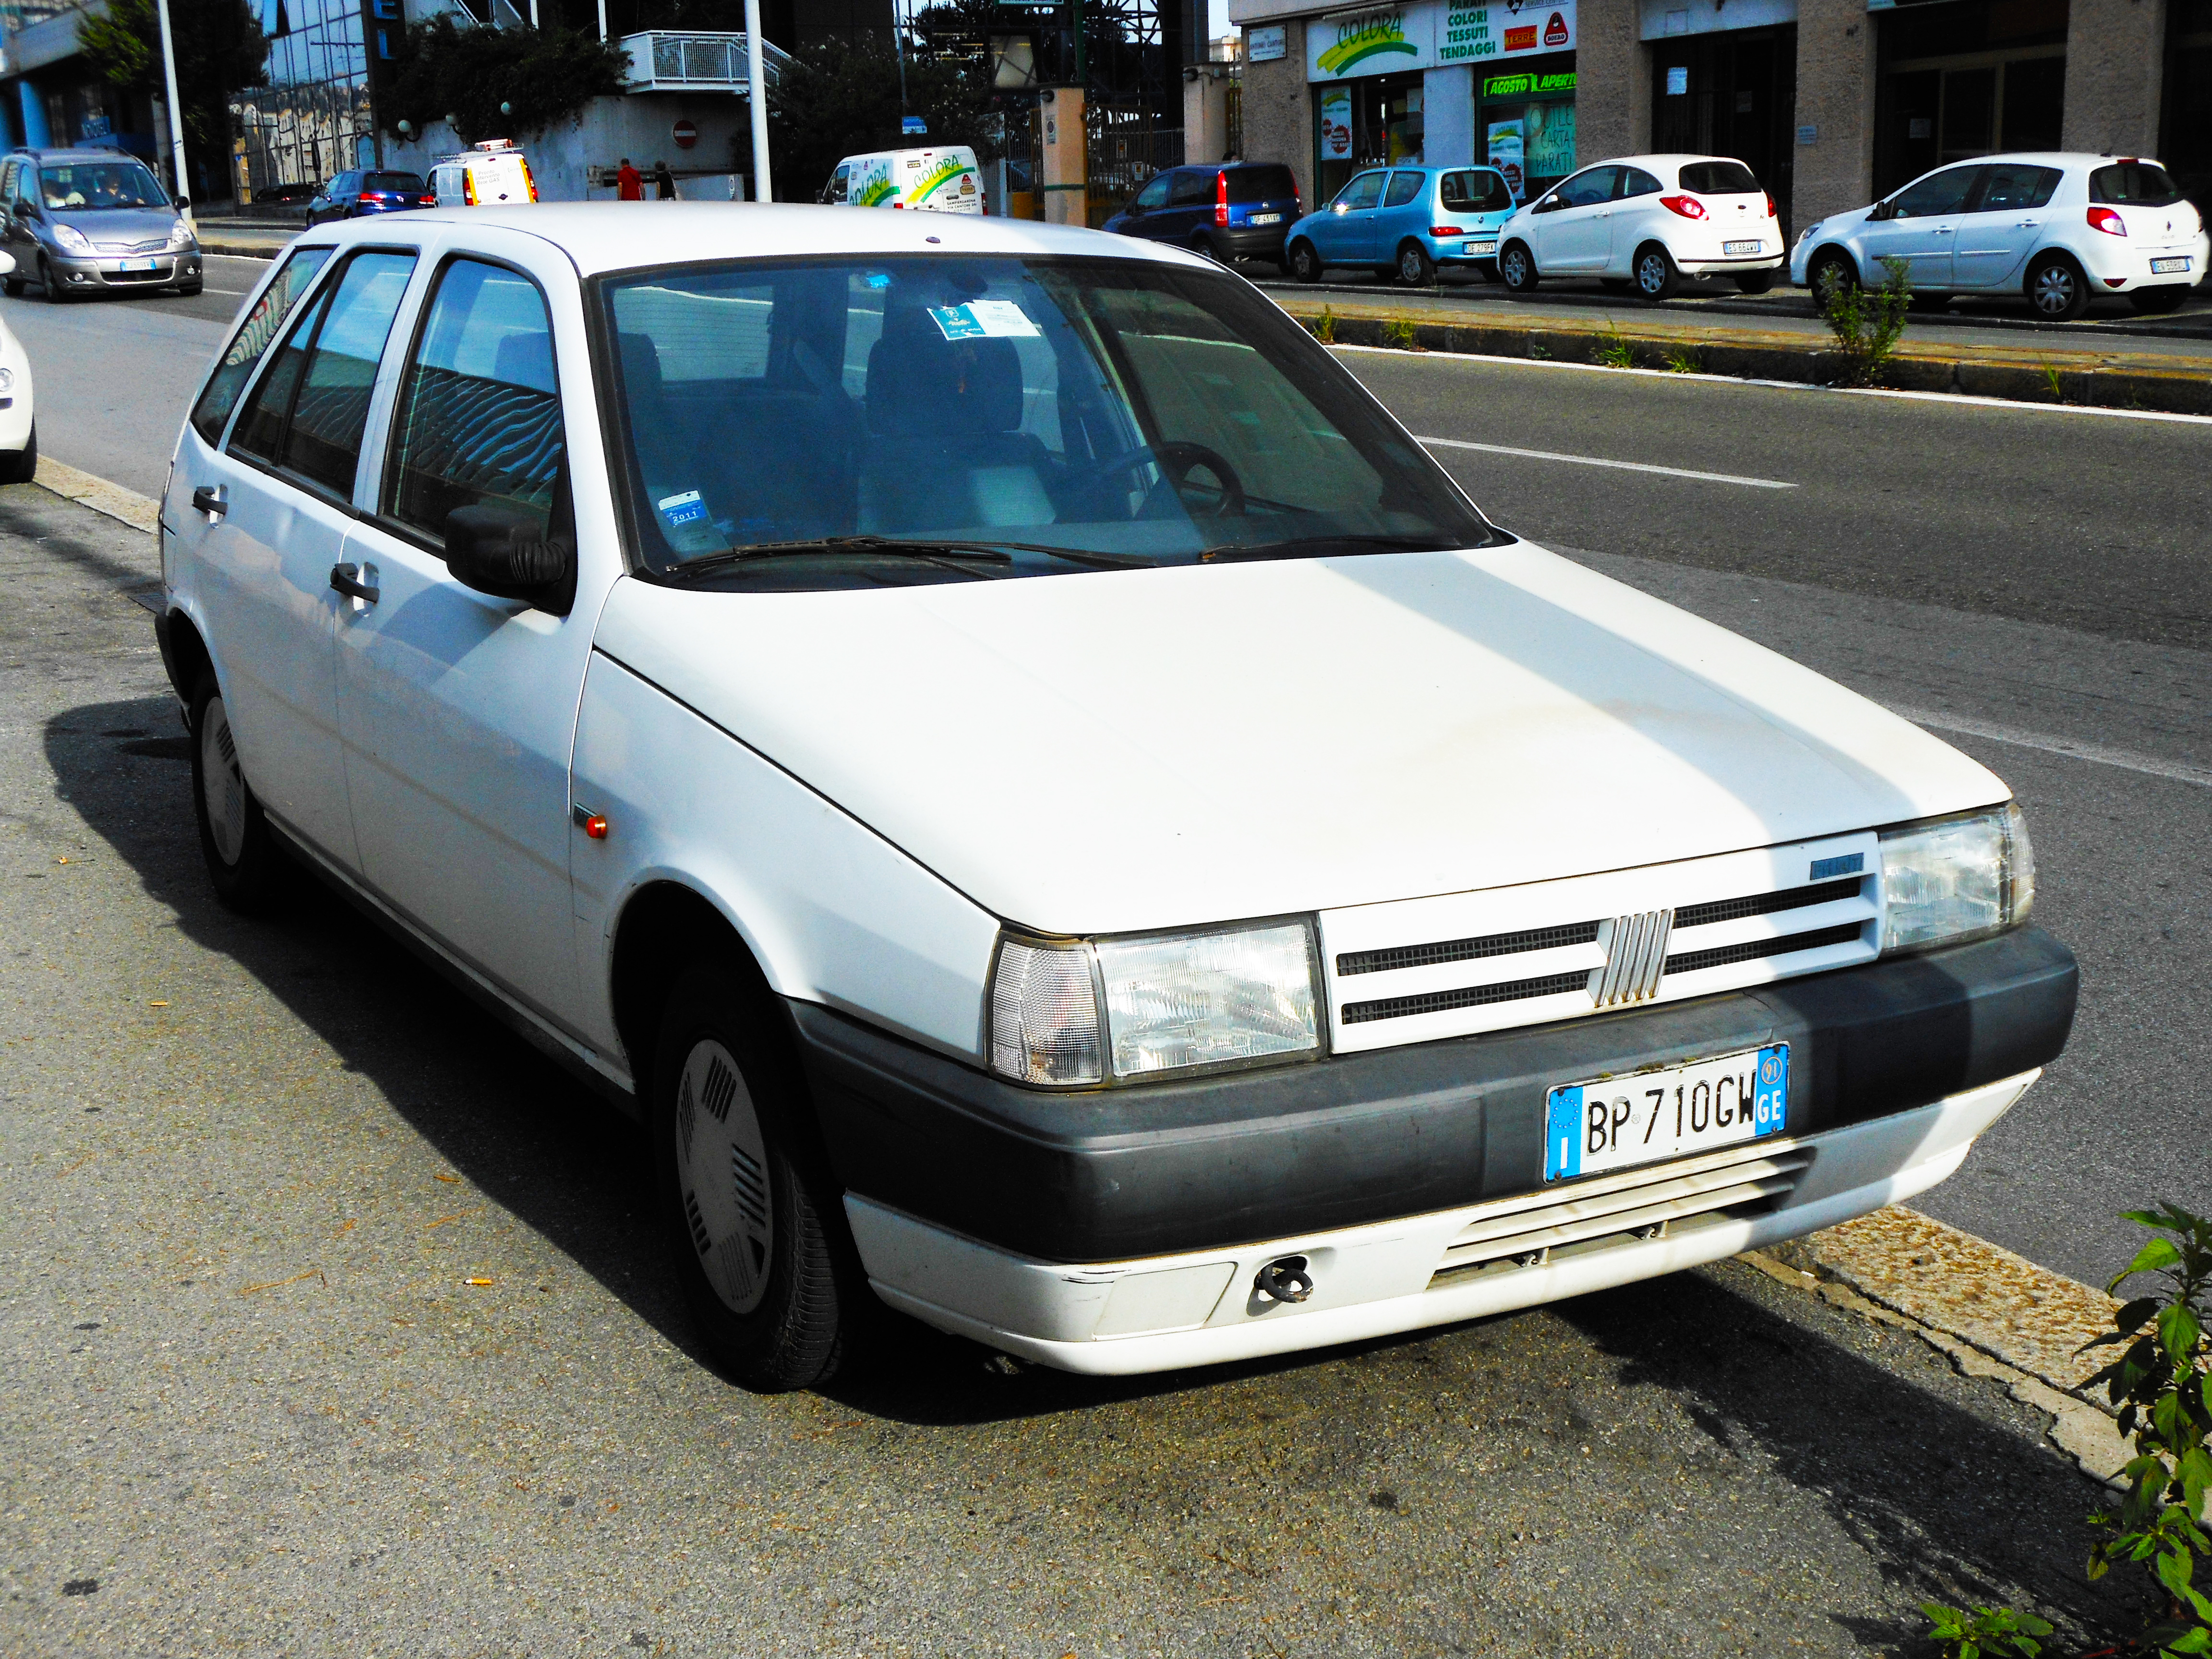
{"x":1593,"y":460}
{"x":2127,"y":760}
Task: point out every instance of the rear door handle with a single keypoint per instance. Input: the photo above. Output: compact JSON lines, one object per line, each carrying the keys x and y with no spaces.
{"x":345,"y":578}
{"x":211,"y":499}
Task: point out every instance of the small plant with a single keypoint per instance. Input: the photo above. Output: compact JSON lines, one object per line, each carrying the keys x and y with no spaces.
{"x":1401,"y":334}
{"x":1538,"y":352}
{"x":2162,"y":1384}
{"x":1997,"y":1630}
{"x":1867,"y":323}
{"x":1324,"y":326}
{"x":1683,"y":360}
{"x":2051,"y":380}
{"x":1615,"y":352}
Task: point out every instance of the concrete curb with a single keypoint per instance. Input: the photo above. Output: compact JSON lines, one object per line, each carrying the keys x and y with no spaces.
{"x":139,"y":511}
{"x":2051,"y":378}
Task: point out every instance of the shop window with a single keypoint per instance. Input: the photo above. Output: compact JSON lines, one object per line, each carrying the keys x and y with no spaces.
{"x":1372,"y":122}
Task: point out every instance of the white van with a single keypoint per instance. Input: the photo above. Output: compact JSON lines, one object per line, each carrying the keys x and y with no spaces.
{"x":937,"y":180}
{"x":493,"y":173}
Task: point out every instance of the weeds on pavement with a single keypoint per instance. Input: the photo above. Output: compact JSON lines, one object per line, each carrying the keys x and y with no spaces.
{"x":1683,"y":360}
{"x":1324,"y":326}
{"x":1401,"y":334}
{"x":1867,"y":323}
{"x":1997,"y":1631}
{"x":2050,"y":378}
{"x":1613,"y":351}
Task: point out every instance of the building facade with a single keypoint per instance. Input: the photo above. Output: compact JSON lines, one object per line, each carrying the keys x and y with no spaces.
{"x":1831,"y":102}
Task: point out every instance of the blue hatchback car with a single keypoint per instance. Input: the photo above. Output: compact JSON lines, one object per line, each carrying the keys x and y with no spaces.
{"x":1404,"y":222}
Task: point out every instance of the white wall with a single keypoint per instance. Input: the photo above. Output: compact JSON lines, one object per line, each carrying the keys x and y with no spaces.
{"x":604,"y":131}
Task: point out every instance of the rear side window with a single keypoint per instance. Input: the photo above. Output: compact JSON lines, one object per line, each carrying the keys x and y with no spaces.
{"x":1938,"y":193}
{"x":1261,"y":184}
{"x":480,"y":411}
{"x":1635,"y":181}
{"x":262,"y":324}
{"x":1404,"y":187}
{"x":308,"y":413}
{"x":2007,"y":186}
{"x":1475,"y":193}
{"x":1190,"y":189}
{"x":1719,"y":178}
{"x":2133,"y":184}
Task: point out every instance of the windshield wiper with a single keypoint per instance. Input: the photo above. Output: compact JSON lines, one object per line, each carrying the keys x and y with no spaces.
{"x":951,"y":554}
{"x":1320,"y":547}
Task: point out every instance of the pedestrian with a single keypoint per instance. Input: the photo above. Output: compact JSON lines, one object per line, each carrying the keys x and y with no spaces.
{"x":629,"y":186}
{"x":664,"y":182}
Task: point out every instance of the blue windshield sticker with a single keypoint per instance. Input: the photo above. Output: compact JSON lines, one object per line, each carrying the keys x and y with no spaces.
{"x":982,"y":319}
{"x":683,"y":509}
{"x":879,"y":279}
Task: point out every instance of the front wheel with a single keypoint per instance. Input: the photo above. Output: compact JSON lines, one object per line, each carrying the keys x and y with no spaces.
{"x":1305,"y":264}
{"x":1656,"y":275}
{"x":1516,"y":268}
{"x":243,"y":859}
{"x":1755,"y":282}
{"x":1415,"y":268}
{"x":751,"y":1227}
{"x":20,"y":466}
{"x":50,"y":284}
{"x":1830,"y":276}
{"x":1203,"y":246}
{"x":2056,"y":289}
{"x":187,"y":290}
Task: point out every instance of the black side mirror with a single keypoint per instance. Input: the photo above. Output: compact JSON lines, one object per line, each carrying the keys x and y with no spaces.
{"x":25,"y":210}
{"x":1882,"y":210}
{"x":183,"y":204}
{"x":505,"y":552}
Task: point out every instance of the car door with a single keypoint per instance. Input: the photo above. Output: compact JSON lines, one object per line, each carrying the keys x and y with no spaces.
{"x":1402,"y":212}
{"x":1190,"y":205}
{"x":1571,"y":228}
{"x":1920,"y":225}
{"x":1632,"y":220}
{"x":2005,"y":219}
{"x":459,"y":708}
{"x":1342,"y":236}
{"x":1143,"y":217}
{"x":284,"y":484}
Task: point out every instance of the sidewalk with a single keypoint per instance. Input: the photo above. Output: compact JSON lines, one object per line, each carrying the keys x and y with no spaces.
{"x":2117,"y":376}
{"x":250,"y":239}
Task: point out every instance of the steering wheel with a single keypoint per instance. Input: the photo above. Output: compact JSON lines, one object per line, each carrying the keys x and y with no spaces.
{"x":1178,"y":461}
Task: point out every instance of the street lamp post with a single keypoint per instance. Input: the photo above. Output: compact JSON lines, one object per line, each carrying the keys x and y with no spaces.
{"x":763,"y":190}
{"x":176,"y":109}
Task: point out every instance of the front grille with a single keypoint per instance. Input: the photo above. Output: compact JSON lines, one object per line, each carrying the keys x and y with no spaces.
{"x":137,"y":275}
{"x":1462,"y":963}
{"x":1607,"y":1212}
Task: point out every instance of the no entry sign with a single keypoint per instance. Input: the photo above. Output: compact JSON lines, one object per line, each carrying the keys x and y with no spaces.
{"x":685,"y":135}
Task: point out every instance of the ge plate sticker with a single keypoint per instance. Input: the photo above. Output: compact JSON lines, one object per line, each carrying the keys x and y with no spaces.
{"x":680,"y":510}
{"x":983,"y":320}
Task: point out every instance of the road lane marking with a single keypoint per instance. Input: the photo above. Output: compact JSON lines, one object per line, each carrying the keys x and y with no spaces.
{"x":2128,"y":760}
{"x":1593,"y":460}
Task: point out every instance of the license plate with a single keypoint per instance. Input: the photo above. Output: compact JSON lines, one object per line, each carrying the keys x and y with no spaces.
{"x":1735,"y":248}
{"x":2162,"y":266}
{"x":1482,"y":247}
{"x":1614,"y":1123}
{"x":1265,"y":219}
{"x":137,"y":265}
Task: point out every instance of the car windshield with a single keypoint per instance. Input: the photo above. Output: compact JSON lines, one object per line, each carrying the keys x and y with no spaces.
{"x":2133,"y":184}
{"x":71,"y":186}
{"x":404,"y":181}
{"x":1054,"y":415}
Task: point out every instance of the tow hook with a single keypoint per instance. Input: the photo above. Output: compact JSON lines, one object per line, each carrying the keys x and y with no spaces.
{"x":1285,"y":1280}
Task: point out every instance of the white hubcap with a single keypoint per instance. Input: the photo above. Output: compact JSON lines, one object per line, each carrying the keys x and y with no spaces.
{"x":722,"y":1166}
{"x":223,"y":784}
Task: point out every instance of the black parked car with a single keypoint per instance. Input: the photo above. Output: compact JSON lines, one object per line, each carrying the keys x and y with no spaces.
{"x":358,"y":195}
{"x":1235,"y":211}
{"x":286,"y":195}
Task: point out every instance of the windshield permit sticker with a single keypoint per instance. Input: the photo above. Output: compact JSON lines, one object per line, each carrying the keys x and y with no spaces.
{"x":680,"y":510}
{"x":879,"y":279}
{"x":983,"y":320}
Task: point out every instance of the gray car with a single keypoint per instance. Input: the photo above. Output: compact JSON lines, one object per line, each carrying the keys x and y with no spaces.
{"x":80,"y":222}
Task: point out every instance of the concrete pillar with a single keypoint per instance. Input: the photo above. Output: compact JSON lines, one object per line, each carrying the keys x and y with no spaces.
{"x":1205,"y":117}
{"x":1834,"y":134}
{"x":1447,"y":116}
{"x":1279,"y":122}
{"x":1613,"y":81}
{"x":2115,"y":59}
{"x":1065,"y":158}
{"x":35,"y":135}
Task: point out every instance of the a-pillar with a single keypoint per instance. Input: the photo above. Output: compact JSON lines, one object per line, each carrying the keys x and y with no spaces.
{"x":1065,"y":155}
{"x":2115,"y":57}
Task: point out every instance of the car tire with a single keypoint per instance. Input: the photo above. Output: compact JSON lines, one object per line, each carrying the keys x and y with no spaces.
{"x":1516,"y":268}
{"x":2056,"y":290}
{"x":244,"y":861}
{"x":56,"y":295}
{"x":1415,"y":269}
{"x":1657,"y":275}
{"x":1203,"y":246}
{"x":755,"y":1226}
{"x":188,"y":290}
{"x":1756,"y":282}
{"x":11,"y":286}
{"x":1831,"y":273}
{"x":1304,"y":263}
{"x":21,"y":465}
{"x":2158,"y":301}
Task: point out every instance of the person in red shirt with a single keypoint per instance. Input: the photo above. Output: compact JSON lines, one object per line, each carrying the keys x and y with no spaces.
{"x":629,"y":183}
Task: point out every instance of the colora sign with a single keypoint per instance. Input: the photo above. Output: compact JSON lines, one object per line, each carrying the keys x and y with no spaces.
{"x":1366,"y":43}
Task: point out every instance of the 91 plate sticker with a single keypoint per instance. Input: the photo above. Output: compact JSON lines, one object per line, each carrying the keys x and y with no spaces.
{"x":983,"y":320}
{"x":680,"y":510}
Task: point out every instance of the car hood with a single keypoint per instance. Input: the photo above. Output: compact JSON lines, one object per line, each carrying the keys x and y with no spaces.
{"x":1112,"y":751}
{"x":119,"y":224}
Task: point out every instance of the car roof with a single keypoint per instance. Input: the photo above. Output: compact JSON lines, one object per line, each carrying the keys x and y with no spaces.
{"x":2056,"y":158}
{"x":77,"y":153}
{"x":607,"y":236}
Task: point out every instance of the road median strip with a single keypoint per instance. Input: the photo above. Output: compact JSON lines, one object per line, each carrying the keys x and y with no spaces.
{"x":2103,"y":379}
{"x":86,"y":489}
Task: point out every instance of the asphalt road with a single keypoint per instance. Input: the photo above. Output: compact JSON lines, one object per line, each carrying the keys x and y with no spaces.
{"x":2034,"y":584}
{"x":253,"y":1403}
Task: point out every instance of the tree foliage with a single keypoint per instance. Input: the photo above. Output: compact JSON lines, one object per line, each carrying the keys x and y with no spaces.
{"x":546,"y":75}
{"x":840,"y":97}
{"x":220,"y":50}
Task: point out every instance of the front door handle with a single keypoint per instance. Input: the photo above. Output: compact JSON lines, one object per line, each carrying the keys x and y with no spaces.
{"x":346,"y":579}
{"x":211,"y":499}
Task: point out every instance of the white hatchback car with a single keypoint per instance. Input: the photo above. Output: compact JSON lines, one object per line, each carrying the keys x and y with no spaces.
{"x":19,"y":425}
{"x":1642,"y":223}
{"x":2057,"y":229}
{"x":1054,"y":811}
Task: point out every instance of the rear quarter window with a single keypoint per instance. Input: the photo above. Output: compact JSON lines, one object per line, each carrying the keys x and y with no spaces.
{"x":1719,"y":178}
{"x":2133,"y":184}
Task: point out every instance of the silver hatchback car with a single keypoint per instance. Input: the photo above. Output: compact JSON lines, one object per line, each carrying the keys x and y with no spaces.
{"x":83,"y":221}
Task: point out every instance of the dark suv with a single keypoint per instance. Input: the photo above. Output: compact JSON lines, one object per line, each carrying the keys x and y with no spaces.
{"x":1235,"y":211}
{"x":82,"y":221}
{"x":357,"y":195}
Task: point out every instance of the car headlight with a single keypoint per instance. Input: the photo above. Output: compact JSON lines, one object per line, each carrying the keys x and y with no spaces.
{"x":7,"y":380}
{"x":180,"y":235}
{"x":1122,"y":1010}
{"x":1809,"y":231}
{"x":1953,"y":879}
{"x":72,"y":238}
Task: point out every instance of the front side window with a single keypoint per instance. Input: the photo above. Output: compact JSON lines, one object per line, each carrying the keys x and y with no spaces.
{"x":479,"y":416}
{"x":1364,"y":191}
{"x":1404,"y":187}
{"x":1938,"y":194}
{"x":1154,"y":195}
{"x":2010,"y":186}
{"x":2133,"y":184}
{"x":1587,"y":189}
{"x":1057,"y":413}
{"x":261,"y":327}
{"x":88,"y":185}
{"x":308,"y":412}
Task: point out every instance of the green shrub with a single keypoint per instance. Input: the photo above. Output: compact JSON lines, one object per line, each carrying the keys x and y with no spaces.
{"x":1402,"y":333}
{"x":1324,"y":328}
{"x":1614,"y":351}
{"x":1995,"y":1631}
{"x":1867,"y":323}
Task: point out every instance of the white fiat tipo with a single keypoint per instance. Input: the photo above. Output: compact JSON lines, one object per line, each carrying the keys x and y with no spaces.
{"x":1051,"y":809}
{"x":1642,"y":223}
